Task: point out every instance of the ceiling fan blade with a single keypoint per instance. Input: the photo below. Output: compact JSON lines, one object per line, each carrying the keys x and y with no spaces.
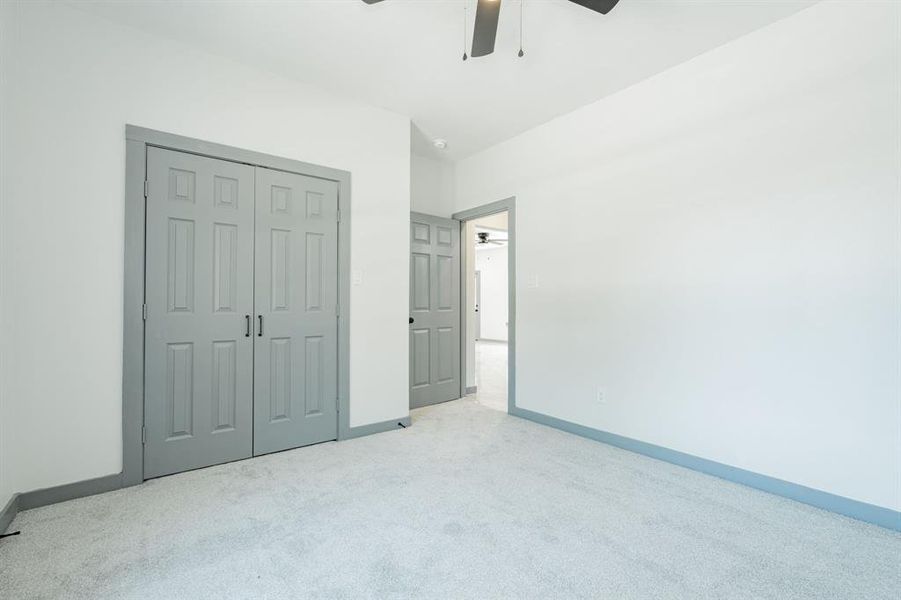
{"x":371,"y":1}
{"x":485,"y":30}
{"x":601,"y":6}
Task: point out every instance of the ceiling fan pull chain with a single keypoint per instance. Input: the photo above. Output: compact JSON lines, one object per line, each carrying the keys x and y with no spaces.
{"x":521,"y":3}
{"x":464,"y":32}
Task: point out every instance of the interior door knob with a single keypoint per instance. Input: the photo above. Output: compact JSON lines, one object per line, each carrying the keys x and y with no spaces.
{"x":411,"y":320}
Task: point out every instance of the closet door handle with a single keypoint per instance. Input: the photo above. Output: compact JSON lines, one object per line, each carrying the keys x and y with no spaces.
{"x":246,"y":325}
{"x":260,"y":332}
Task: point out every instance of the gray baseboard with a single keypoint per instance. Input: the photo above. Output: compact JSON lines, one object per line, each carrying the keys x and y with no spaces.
{"x":69,"y":491}
{"x":471,"y":390}
{"x":109,"y":483}
{"x":58,"y":493}
{"x":877,"y":515}
{"x":9,"y":513}
{"x":390,"y":425}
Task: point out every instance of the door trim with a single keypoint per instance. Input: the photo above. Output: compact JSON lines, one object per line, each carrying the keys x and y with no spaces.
{"x":508,"y":205}
{"x":137,"y":140}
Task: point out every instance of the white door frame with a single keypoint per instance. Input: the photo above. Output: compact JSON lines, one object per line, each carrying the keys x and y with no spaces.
{"x":508,"y":205}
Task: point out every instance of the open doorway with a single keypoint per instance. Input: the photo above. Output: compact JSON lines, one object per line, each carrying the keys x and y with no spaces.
{"x":488,"y":303}
{"x":486,"y":308}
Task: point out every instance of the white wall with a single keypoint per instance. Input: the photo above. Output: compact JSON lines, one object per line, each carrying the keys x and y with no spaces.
{"x":492,"y":263}
{"x":730,"y":273}
{"x":431,"y":186}
{"x":6,"y":19}
{"x":77,"y":81}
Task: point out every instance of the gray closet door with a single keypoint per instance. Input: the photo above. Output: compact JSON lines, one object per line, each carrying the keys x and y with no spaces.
{"x":434,"y":310}
{"x":199,"y":295}
{"x":296,"y":296}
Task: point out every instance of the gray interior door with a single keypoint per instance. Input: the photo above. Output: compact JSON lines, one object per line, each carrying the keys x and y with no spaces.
{"x":296,"y":299}
{"x":199,"y":296}
{"x":434,"y":310}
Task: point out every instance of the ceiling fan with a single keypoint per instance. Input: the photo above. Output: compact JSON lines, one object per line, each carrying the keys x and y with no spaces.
{"x":482,"y":237}
{"x":488,"y":11}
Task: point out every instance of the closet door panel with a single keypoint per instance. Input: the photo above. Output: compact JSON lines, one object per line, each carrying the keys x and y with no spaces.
{"x":296,"y":297}
{"x":199,"y":294}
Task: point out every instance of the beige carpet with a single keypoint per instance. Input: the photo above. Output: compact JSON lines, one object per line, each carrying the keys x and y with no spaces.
{"x":467,"y":503}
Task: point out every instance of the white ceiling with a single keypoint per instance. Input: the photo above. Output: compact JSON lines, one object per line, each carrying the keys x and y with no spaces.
{"x":496,"y":222}
{"x":405,"y":55}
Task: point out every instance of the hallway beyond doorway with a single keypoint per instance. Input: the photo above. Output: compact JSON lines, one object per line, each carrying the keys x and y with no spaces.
{"x":491,"y":374}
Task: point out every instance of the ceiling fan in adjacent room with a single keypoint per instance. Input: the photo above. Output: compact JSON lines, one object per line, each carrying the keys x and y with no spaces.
{"x":484,"y":237}
{"x":488,"y":12}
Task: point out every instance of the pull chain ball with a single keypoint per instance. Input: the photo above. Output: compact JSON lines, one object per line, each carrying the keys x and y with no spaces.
{"x":464,"y":33}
